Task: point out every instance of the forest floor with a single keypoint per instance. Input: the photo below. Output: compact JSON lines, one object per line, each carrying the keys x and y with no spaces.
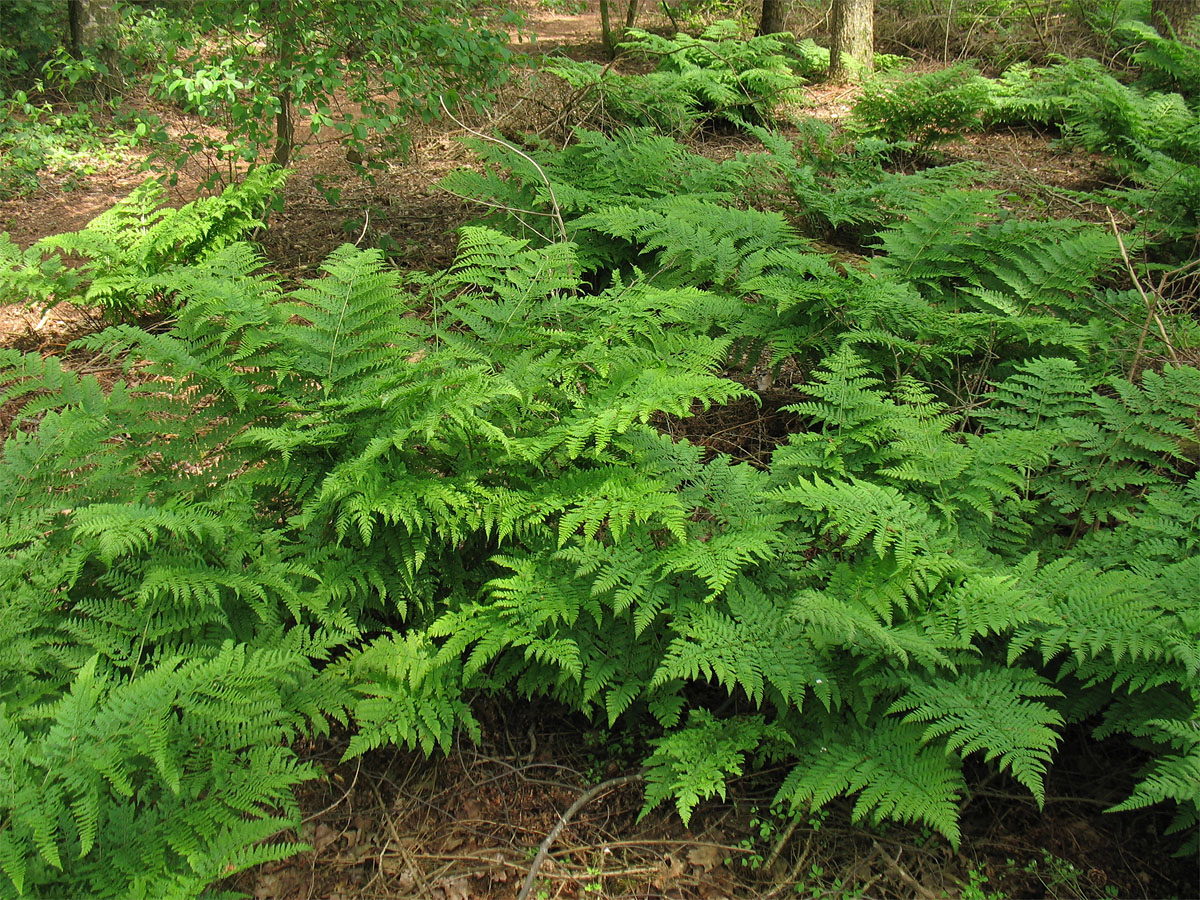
{"x":467,"y":824}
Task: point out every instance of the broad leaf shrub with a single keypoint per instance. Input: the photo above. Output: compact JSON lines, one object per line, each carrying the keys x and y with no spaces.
{"x":265,"y":76}
{"x":317,"y":505}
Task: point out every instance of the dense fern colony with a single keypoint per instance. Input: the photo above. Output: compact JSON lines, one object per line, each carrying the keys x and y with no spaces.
{"x":372,"y":496}
{"x":1150,"y":129}
{"x":697,"y":81}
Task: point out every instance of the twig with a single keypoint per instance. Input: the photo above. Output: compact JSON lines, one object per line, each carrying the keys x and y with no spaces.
{"x":338,"y":802}
{"x":900,"y":872}
{"x":781,"y":843}
{"x":792,"y":875}
{"x":1004,"y":795}
{"x":403,"y":850}
{"x":557,"y":211}
{"x":544,"y":849}
{"x":513,"y":211}
{"x":366,"y":222}
{"x":643,"y":844}
{"x":575,"y":875}
{"x":1151,"y":311}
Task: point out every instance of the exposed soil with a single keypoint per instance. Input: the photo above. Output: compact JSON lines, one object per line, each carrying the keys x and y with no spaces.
{"x":467,"y":824}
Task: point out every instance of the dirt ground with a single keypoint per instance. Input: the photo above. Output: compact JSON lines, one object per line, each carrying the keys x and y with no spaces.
{"x":469,"y":824}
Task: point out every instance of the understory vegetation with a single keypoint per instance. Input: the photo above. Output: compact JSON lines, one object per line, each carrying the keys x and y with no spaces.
{"x":369,"y":498}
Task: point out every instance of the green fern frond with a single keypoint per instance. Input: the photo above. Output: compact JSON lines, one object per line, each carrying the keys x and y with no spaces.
{"x":408,"y":695}
{"x":994,"y":711}
{"x":855,"y":510}
{"x":694,"y":763}
{"x":894,"y":775}
{"x":743,"y":646}
{"x":1042,"y":391}
{"x":128,"y":248}
{"x":347,"y":311}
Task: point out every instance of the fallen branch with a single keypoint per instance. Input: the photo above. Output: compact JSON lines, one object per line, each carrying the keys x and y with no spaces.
{"x":556,"y":212}
{"x":585,"y":798}
{"x":900,"y":872}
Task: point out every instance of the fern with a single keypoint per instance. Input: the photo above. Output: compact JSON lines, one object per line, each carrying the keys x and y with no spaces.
{"x":885,"y":765}
{"x":952,"y":246}
{"x":730,"y":78}
{"x":1113,"y":447}
{"x":373,"y":496}
{"x":105,"y":749}
{"x":841,"y":186}
{"x":929,"y":108}
{"x":1169,"y":60}
{"x":126,"y":249}
{"x":411,"y":697}
{"x":607,"y":101}
{"x":994,"y":711}
{"x":694,"y":763}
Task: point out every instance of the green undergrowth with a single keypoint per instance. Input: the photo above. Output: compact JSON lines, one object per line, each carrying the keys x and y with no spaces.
{"x":1149,"y":129}
{"x":375,"y":496}
{"x":38,"y":140}
{"x":715,"y":79}
{"x":122,"y":260}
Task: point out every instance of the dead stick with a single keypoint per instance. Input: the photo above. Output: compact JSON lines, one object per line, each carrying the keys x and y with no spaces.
{"x":794,"y":874}
{"x":557,"y":211}
{"x":584,"y":799}
{"x":781,"y":843}
{"x":1152,"y":312}
{"x":903,"y":875}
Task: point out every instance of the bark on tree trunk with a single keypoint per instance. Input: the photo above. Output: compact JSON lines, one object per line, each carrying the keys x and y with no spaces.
{"x":1173,"y":16}
{"x":285,"y":121}
{"x":95,"y":32}
{"x":851,"y":39}
{"x":606,"y":35}
{"x":774,"y":17}
{"x":285,"y":130}
{"x":631,"y":15}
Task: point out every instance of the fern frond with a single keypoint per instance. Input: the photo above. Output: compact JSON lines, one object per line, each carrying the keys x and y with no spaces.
{"x":694,"y":763}
{"x":348,"y":312}
{"x":878,"y":763}
{"x":409,"y":695}
{"x":994,"y":711}
{"x":128,"y":248}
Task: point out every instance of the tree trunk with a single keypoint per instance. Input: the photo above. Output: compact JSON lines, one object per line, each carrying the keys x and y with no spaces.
{"x":285,"y":130}
{"x":851,"y":39}
{"x":606,"y":35}
{"x":1173,"y":16}
{"x":95,"y":33}
{"x":631,"y":15}
{"x":774,"y":17}
{"x":285,"y":52}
